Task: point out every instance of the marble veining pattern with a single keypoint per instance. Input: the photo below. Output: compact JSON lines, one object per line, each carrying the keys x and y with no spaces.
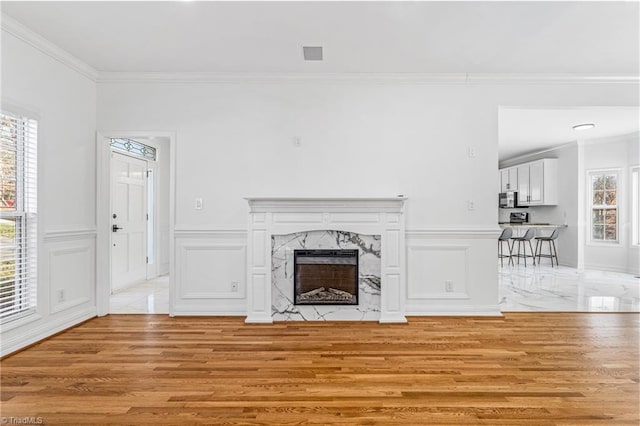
{"x":542,"y":288}
{"x":282,"y":247}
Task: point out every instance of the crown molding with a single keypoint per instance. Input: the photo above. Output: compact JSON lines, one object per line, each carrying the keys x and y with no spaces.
{"x":514,"y":161}
{"x":518,"y":159}
{"x":244,"y":77}
{"x":30,"y":37}
{"x":35,"y":40}
{"x":611,"y":139}
{"x":409,"y":78}
{"x":553,"y":78}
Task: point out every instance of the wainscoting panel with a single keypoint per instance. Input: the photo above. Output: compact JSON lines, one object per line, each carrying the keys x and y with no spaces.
{"x":66,"y":289}
{"x":207,"y":271}
{"x":70,"y":269}
{"x":210,"y":276}
{"x":438,"y":271}
{"x":449,"y":272}
{"x":452,"y":272}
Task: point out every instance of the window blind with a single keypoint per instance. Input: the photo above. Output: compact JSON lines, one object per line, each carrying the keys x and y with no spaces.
{"x":18,"y":216}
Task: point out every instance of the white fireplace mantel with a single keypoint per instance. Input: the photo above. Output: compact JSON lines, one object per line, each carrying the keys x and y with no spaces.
{"x":367,"y":215}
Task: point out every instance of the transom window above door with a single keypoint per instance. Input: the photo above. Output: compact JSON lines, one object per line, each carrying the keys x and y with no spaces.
{"x":134,"y":148}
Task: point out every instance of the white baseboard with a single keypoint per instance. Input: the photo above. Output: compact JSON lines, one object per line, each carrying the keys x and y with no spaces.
{"x":189,"y":311}
{"x":458,"y":311}
{"x":610,"y":268}
{"x":28,"y":336}
{"x":456,"y":314}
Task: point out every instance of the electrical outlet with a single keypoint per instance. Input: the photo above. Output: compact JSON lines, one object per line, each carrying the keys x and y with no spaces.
{"x":198,"y":203}
{"x":60,"y":295}
{"x":472,"y":152}
{"x":296,"y":142}
{"x":471,"y":205}
{"x":234,"y":286}
{"x":448,"y":286}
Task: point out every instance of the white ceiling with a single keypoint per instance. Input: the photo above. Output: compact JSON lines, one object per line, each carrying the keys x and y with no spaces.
{"x":524,"y":130}
{"x":362,"y":37}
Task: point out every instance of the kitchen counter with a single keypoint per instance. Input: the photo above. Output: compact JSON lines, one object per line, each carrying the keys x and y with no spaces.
{"x":530,"y":225}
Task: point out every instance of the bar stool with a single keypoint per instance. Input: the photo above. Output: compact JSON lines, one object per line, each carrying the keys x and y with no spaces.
{"x":522,"y":242}
{"x":504,"y":237}
{"x":553,"y":253}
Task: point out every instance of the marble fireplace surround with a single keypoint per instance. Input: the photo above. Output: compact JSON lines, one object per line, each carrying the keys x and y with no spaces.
{"x":283,"y":307}
{"x":279,"y":216}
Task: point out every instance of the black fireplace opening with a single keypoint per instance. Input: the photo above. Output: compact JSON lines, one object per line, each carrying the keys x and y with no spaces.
{"x":325,"y":277}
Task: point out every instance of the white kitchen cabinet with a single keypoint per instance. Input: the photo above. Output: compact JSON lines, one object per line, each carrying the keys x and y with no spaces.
{"x":523,"y":185}
{"x":538,"y":183}
{"x":509,"y":179}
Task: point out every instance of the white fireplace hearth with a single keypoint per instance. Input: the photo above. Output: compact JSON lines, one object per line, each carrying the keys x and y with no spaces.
{"x":277,"y":226}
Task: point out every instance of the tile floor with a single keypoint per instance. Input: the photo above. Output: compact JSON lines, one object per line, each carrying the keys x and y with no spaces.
{"x":542,"y":288}
{"x":149,"y":297}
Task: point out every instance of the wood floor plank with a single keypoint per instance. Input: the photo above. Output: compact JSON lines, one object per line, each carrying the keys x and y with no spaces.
{"x":524,"y":368}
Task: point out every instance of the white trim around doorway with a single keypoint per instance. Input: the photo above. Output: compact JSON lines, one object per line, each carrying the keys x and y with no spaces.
{"x":103,"y":202}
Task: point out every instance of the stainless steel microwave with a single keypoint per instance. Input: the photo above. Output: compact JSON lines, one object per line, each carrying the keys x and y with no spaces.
{"x":508,"y":200}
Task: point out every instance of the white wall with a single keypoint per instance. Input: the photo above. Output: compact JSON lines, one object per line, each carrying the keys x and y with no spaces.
{"x":566,"y":211}
{"x":615,"y":153}
{"x":163,"y":206}
{"x":235,"y":139}
{"x":64,"y":102}
{"x":163,"y":149}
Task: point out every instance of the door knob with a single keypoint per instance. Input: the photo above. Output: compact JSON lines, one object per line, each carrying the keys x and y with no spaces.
{"x":115,"y":228}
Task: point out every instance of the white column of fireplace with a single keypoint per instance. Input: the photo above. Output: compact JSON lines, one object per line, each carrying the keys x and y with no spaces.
{"x":281,"y":216}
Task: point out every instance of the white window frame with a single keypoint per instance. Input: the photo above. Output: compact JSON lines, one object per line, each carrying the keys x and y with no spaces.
{"x":590,"y":175}
{"x":635,"y":205}
{"x":26,"y":219}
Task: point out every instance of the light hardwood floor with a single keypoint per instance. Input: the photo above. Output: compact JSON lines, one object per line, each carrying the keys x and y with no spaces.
{"x":525,"y":368}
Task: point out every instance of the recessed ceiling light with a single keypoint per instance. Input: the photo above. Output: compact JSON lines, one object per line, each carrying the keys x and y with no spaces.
{"x":584,"y":126}
{"x":312,"y":53}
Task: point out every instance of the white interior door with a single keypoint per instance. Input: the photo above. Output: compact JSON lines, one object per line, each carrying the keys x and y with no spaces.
{"x":128,"y":220}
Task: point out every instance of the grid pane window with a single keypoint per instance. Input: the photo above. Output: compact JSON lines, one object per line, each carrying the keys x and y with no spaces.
{"x":18,"y":219}
{"x":8,"y":167}
{"x":604,"y":206}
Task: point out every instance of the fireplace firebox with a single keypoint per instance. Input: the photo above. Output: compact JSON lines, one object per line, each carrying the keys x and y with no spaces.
{"x":325,"y":277}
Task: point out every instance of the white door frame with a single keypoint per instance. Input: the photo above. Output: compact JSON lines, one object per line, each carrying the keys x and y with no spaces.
{"x":103,"y":212}
{"x":152,"y":272}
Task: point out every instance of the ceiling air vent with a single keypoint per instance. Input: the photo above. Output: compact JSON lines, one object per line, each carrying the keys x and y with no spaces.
{"x":312,"y":53}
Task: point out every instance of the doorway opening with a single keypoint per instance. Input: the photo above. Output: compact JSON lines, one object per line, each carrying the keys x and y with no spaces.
{"x":596,"y":260}
{"x":135,"y":217}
